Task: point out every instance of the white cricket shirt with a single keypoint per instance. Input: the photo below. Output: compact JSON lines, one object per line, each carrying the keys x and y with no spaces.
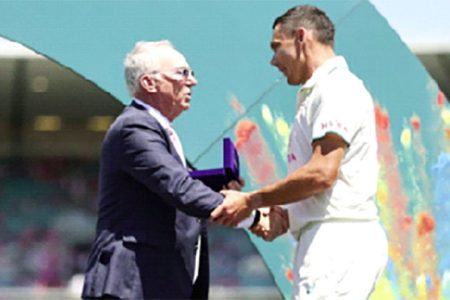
{"x":334,"y":100}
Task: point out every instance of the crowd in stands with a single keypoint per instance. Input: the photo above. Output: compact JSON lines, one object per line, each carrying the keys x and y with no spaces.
{"x":47,"y":224}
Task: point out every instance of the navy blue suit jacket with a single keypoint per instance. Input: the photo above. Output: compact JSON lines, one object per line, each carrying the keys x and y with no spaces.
{"x":151,"y":214}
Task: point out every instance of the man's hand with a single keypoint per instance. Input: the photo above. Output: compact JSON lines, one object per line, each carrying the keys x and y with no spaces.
{"x":235,"y":207}
{"x":235,"y":185}
{"x":273,"y":223}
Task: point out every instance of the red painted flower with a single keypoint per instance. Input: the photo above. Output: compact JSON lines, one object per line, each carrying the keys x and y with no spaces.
{"x":440,"y":99}
{"x":244,"y":130}
{"x":425,"y":223}
{"x":415,"y":123}
{"x":289,"y":275}
{"x":447,"y":133}
{"x":407,"y":221}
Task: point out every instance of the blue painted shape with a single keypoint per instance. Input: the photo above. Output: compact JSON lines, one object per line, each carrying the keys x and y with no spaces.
{"x":227,"y":44}
{"x":441,"y":209}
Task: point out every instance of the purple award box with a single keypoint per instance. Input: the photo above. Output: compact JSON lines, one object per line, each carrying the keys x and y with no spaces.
{"x":217,"y":178}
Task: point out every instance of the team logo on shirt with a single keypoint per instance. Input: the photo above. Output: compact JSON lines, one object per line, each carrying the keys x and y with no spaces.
{"x":333,"y":124}
{"x":291,"y":157}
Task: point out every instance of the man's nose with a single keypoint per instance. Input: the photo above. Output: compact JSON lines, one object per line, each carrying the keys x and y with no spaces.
{"x":192,"y":81}
{"x":273,"y":61}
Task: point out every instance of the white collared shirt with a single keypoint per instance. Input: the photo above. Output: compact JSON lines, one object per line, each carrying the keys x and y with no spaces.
{"x":335,"y":100}
{"x":164,"y":122}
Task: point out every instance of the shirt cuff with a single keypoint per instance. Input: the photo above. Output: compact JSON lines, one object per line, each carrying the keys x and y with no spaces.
{"x":251,"y":220}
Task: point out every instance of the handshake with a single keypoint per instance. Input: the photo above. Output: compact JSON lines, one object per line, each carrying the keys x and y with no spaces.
{"x":269,"y":222}
{"x":237,"y":206}
{"x":273,"y":222}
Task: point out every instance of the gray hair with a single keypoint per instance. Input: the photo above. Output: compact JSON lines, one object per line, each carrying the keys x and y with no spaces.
{"x":143,"y":59}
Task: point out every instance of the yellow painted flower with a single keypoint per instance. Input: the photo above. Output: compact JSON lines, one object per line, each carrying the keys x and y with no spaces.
{"x":282,"y":127}
{"x":445,"y":116}
{"x":266,"y":114}
{"x":405,"y":138}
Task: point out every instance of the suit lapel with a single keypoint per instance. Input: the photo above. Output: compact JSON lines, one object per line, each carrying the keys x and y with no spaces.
{"x":164,"y":133}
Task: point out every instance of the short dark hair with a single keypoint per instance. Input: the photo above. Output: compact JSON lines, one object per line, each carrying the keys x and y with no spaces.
{"x":309,"y":17}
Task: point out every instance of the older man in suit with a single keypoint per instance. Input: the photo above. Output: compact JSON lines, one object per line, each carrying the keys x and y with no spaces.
{"x":151,"y":231}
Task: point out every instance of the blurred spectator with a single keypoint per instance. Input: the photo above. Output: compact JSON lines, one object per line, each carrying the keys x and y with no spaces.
{"x":47,"y":223}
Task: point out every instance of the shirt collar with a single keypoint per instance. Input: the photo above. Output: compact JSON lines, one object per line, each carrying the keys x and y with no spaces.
{"x":326,"y":68}
{"x":163,"y":121}
{"x":323,"y":70}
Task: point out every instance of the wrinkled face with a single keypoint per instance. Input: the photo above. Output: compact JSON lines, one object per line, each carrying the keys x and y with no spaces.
{"x":286,"y":56}
{"x":175,"y":84}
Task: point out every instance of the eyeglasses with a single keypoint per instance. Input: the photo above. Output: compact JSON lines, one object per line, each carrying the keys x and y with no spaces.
{"x":183,"y":72}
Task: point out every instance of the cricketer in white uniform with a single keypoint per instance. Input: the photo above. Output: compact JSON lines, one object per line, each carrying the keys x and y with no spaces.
{"x":342,"y":248}
{"x":329,"y":194}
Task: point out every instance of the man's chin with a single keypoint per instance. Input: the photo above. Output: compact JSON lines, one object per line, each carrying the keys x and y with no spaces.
{"x":292,"y":81}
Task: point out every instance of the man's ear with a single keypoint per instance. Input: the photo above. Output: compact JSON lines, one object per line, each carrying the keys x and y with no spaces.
{"x":300,"y":35}
{"x":148,"y":83}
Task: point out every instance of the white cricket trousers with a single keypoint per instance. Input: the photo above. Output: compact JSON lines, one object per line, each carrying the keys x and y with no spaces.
{"x":339,"y":260}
